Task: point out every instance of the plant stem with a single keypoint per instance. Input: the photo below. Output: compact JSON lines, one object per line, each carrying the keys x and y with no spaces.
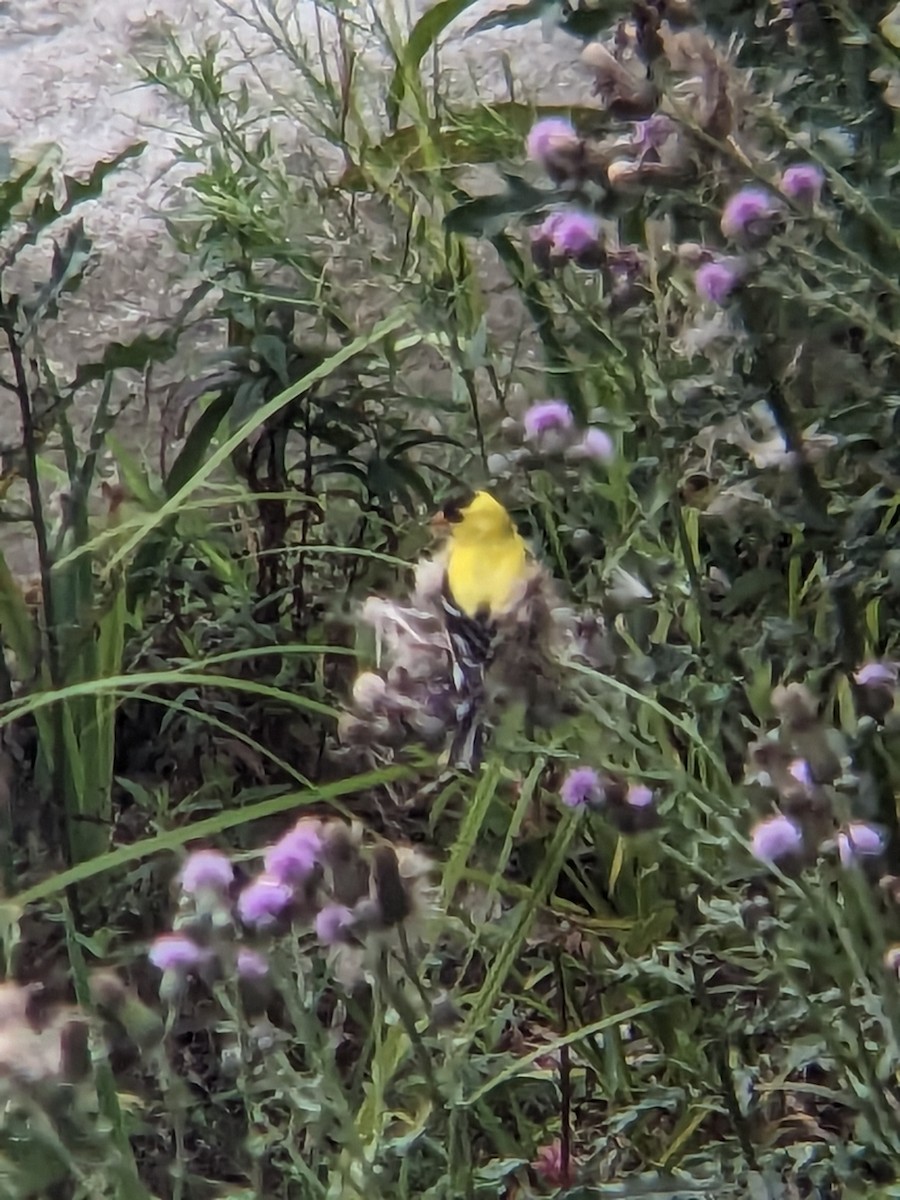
{"x":50,"y":627}
{"x":565,"y":1079}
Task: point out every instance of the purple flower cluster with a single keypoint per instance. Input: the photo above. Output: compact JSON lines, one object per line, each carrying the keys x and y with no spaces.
{"x":639,"y":796}
{"x":596,"y":444}
{"x":876,"y":696}
{"x":555,"y":144}
{"x":631,"y":807}
{"x":551,"y":425}
{"x":334,"y":923}
{"x":251,"y":964}
{"x":779,"y":841}
{"x":749,"y":218}
{"x":651,"y":134}
{"x":318,"y":875}
{"x":799,"y":765}
{"x":208,"y":907}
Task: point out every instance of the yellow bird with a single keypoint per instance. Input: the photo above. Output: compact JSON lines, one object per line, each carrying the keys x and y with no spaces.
{"x":487,"y":564}
{"x":487,"y":559}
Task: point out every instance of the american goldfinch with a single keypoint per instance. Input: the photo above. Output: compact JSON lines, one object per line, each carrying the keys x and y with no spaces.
{"x":486,"y":566}
{"x":481,"y":607}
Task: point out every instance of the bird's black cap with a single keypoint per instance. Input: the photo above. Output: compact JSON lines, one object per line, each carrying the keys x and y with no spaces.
{"x":453,"y":507}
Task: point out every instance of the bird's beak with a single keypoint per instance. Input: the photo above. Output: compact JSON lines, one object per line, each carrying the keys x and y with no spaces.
{"x":439,"y":523}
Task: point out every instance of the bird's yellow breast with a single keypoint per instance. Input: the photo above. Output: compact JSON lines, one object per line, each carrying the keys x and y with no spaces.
{"x":485,"y":575}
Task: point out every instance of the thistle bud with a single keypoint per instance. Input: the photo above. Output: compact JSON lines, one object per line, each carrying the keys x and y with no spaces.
{"x":122,"y":1004}
{"x":623,"y":173}
{"x":368,"y":692}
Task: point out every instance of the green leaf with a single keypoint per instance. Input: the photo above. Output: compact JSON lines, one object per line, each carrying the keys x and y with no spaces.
{"x":76,"y":191}
{"x":17,"y":629}
{"x":68,"y":266}
{"x":133,"y":475}
{"x":751,"y":587}
{"x":487,"y":216}
{"x":517,"y":14}
{"x":584,"y":21}
{"x":11,"y":193}
{"x":422,"y":37}
{"x":145,"y":349}
{"x":273,"y":352}
{"x":198,"y":442}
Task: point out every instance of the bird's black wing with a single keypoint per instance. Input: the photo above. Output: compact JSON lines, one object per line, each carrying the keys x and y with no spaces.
{"x":471,"y":649}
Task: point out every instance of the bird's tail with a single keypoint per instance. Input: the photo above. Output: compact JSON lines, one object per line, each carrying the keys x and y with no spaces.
{"x":467,"y":746}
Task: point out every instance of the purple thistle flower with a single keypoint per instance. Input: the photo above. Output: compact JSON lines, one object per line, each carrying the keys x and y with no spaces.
{"x":574,"y":233}
{"x":597,"y":444}
{"x":206,"y":870}
{"x":858,"y":840}
{"x":580,"y":787}
{"x":294,"y":856}
{"x":715,"y":281}
{"x":548,"y":136}
{"x":775,"y":839}
{"x":251,"y":964}
{"x":747,"y":212}
{"x":551,"y":416}
{"x":333,"y":923}
{"x":176,"y":952}
{"x":639,"y":796}
{"x":263,"y":901}
{"x":876,"y":674}
{"x":803,"y":183}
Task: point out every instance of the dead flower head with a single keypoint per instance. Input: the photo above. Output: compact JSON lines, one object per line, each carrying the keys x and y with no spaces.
{"x":43,"y":1051}
{"x":411,"y":693}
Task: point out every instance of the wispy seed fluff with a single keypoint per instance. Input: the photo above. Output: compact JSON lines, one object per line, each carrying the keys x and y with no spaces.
{"x":409,"y":695}
{"x":40,"y":1050}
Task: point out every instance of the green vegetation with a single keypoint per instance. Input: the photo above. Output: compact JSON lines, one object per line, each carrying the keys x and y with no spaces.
{"x":634,"y":980}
